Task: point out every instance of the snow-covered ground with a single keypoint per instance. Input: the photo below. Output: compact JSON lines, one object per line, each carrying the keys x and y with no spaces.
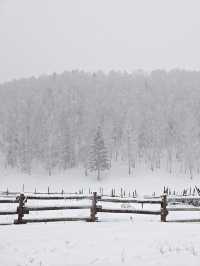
{"x":121,"y":239}
{"x":115,"y":243}
{"x":143,"y":180}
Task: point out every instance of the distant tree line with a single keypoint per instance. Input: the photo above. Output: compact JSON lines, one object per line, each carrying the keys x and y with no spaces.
{"x":145,"y":119}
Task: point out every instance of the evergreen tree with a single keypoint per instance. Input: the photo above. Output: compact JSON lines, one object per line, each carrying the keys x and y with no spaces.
{"x":98,"y":157}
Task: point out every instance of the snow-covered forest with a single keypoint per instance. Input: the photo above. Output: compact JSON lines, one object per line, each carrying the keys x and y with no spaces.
{"x":150,"y":119}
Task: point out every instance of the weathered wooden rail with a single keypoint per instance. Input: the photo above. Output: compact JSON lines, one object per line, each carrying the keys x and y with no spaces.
{"x":23,"y":208}
{"x":9,"y":201}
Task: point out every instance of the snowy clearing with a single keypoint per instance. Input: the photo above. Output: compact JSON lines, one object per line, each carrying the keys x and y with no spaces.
{"x":117,"y":240}
{"x":143,"y":180}
{"x":112,"y":243}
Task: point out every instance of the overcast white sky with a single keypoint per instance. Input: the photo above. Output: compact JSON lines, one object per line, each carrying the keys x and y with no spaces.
{"x":44,"y":36}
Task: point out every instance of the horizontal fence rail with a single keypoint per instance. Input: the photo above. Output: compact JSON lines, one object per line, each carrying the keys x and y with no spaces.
{"x":8,"y":212}
{"x":128,"y":211}
{"x":9,"y":201}
{"x":58,"y":197}
{"x":185,"y":221}
{"x":123,"y":200}
{"x":46,"y":220}
{"x":191,"y":209}
{"x":51,"y":208}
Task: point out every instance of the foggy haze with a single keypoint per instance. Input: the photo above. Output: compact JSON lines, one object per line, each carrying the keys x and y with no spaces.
{"x":48,"y":36}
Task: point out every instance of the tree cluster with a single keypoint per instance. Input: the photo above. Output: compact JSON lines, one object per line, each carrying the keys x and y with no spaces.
{"x":151,"y":119}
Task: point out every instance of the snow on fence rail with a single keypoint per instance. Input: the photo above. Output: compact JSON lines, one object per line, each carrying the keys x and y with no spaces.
{"x":95,"y":208}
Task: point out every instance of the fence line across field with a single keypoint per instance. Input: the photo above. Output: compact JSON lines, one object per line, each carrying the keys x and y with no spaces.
{"x":118,"y":193}
{"x":24,"y":208}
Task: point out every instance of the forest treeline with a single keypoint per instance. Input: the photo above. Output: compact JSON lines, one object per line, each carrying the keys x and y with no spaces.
{"x":149,"y":118}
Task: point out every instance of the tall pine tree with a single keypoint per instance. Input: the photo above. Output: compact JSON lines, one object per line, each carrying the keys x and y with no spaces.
{"x":98,"y":157}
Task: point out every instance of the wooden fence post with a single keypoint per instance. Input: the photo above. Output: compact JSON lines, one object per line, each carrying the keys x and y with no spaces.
{"x":164,"y":211}
{"x":21,"y":210}
{"x":93,"y":209}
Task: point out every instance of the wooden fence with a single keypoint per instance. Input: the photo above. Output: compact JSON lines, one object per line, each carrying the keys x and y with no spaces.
{"x":95,"y":207}
{"x":23,"y":208}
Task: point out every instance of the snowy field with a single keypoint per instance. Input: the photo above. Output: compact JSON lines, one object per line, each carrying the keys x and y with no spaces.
{"x":112,"y":243}
{"x":121,"y":239}
{"x":143,"y":180}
